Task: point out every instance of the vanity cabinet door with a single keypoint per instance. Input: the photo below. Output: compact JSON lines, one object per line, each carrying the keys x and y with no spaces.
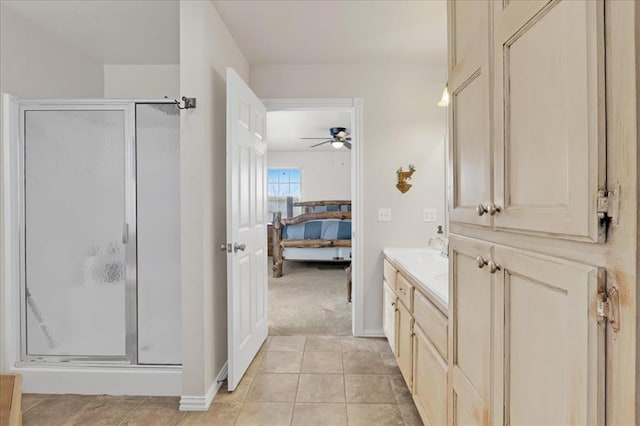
{"x":550,"y":340}
{"x":471,"y":306}
{"x":429,"y":380}
{"x":470,"y":148}
{"x":549,"y":117}
{"x":404,"y":350}
{"x":389,"y":311}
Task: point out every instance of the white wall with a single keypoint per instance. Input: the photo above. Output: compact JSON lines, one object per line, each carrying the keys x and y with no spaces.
{"x":206,"y":49}
{"x":142,"y":81}
{"x":326,"y":175}
{"x":402,"y":125}
{"x":33,"y":63}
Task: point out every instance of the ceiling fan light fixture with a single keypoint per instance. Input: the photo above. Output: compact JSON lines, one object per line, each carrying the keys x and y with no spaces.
{"x":337,"y":144}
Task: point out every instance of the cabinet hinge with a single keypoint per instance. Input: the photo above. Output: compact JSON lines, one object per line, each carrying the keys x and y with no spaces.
{"x":608,"y":308}
{"x":609,"y":205}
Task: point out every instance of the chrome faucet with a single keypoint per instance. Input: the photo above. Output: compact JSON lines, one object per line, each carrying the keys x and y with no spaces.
{"x":444,"y":252}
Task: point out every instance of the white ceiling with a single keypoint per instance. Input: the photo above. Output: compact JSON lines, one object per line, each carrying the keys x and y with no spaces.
{"x":110,"y":31}
{"x":285,"y":128}
{"x":337,"y":31}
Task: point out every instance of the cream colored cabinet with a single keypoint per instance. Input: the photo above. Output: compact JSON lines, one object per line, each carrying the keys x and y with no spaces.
{"x":526,"y":116}
{"x":470,"y":148}
{"x":404,"y":347}
{"x":471,"y":308}
{"x":429,"y":380}
{"x":417,"y":332}
{"x":389,"y":312}
{"x":548,"y":342}
{"x":549,"y":116}
{"x":537,"y":316}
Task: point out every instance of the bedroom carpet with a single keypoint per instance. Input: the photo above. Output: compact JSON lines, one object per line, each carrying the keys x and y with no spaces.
{"x":310,"y":299}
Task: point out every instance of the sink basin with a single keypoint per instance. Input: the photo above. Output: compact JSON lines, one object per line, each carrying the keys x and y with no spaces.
{"x":426,"y":266}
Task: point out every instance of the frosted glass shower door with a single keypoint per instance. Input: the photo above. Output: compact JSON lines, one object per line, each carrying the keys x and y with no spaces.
{"x":77,"y":301}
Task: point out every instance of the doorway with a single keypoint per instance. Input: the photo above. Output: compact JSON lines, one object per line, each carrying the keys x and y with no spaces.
{"x":319,"y":171}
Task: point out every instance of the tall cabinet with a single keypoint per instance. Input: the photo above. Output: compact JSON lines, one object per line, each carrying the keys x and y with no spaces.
{"x":535,"y":214}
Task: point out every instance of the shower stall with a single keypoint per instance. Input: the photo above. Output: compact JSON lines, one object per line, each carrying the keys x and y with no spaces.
{"x":95,"y":194}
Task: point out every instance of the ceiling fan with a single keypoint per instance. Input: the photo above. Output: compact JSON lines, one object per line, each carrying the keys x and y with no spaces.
{"x":339,"y":138}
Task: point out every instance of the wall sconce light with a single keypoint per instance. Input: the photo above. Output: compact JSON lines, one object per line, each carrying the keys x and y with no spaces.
{"x":403,"y":177}
{"x":444,"y":100}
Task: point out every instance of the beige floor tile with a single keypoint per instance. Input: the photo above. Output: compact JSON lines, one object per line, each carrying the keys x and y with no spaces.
{"x":69,"y":410}
{"x":410,"y":415}
{"x":400,"y":389}
{"x":220,"y":414}
{"x":321,"y":388}
{"x":368,"y":388}
{"x":323,"y":344}
{"x":286,"y":343}
{"x":255,"y":363}
{"x":322,"y":362}
{"x":273,"y":388}
{"x":359,"y":344}
{"x":310,"y":414}
{"x":384,"y":346}
{"x":238,"y":395}
{"x":156,"y":413}
{"x":362,"y":363}
{"x":265,"y":413}
{"x":30,"y":400}
{"x":374,"y":414}
{"x":390,"y":363}
{"x":281,"y":362}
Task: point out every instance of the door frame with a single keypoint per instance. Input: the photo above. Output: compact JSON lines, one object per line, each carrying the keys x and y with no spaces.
{"x":354,"y":106}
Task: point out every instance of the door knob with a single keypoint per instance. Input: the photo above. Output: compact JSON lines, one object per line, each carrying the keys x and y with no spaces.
{"x":493,"y":209}
{"x":482,"y":262}
{"x":238,"y":247}
{"x":494,"y":267}
{"x":482,"y":210}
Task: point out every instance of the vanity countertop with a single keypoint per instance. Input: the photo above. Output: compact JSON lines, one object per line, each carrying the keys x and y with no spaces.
{"x":426,"y":267}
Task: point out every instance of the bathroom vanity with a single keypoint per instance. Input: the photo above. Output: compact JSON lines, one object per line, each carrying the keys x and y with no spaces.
{"x":415,"y":309}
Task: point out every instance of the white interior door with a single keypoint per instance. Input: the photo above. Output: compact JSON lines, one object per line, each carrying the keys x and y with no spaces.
{"x":246,"y":226}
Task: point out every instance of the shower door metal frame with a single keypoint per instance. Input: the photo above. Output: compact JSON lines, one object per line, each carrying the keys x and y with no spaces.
{"x":130,"y":248}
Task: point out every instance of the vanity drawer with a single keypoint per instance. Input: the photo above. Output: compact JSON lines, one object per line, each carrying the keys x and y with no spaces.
{"x":432,"y":321}
{"x":390,"y":273}
{"x":404,"y":290}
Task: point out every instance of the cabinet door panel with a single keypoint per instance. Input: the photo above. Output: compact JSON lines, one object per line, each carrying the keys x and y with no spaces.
{"x":429,"y":380}
{"x":549,"y":83}
{"x":552,"y":344}
{"x":470,"y":327}
{"x":389,"y":315}
{"x":468,"y":20}
{"x":404,"y":351}
{"x":470,"y":147}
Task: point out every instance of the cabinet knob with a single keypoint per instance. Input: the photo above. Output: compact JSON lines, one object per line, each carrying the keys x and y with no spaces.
{"x":482,"y":210}
{"x":494,"y":267}
{"x":493,"y":209}
{"x":482,"y":262}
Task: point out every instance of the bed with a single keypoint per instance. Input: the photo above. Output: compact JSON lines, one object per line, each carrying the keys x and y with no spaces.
{"x":322,"y":232}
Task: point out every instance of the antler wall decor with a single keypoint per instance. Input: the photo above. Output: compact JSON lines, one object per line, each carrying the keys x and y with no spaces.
{"x":403,"y":177}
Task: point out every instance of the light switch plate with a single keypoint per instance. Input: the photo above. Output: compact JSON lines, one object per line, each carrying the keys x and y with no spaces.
{"x":384,"y":215}
{"x":429,"y":215}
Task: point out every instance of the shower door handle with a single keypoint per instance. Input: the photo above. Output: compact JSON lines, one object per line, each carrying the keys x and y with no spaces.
{"x":125,"y":233}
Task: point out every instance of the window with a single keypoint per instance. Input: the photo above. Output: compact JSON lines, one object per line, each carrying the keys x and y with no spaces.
{"x":282,"y":184}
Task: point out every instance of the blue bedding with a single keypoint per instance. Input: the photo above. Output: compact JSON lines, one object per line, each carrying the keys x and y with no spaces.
{"x":324,"y":229}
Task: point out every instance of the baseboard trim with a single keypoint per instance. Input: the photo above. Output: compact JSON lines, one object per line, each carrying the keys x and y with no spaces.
{"x":202,"y":403}
{"x":373,"y":332}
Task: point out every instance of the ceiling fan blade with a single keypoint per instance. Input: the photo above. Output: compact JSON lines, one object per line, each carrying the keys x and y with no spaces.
{"x":313,"y":138}
{"x":321,"y":143}
{"x":347,"y":144}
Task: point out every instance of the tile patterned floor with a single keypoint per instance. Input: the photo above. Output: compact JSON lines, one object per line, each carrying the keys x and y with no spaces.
{"x":294,"y":380}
